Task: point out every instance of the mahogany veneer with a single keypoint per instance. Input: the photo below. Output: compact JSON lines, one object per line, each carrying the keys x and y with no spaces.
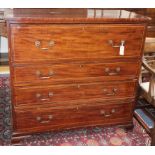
{"x":69,"y":69}
{"x":39,"y":119}
{"x":68,"y":92}
{"x":74,"y":72}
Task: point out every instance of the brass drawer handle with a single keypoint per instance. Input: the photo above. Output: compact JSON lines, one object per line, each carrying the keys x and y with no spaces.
{"x":39,"y":74}
{"x":39,"y":119}
{"x":39,"y":96}
{"x":116,"y":71}
{"x":114,"y":92}
{"x":111,"y":42}
{"x":38,"y":44}
{"x":105,"y":114}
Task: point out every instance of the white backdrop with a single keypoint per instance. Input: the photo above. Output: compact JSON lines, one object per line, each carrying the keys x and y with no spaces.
{"x":4,"y":45}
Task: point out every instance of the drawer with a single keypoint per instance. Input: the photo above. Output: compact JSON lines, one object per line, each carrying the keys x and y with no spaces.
{"x":42,"y":119}
{"x":54,"y":42}
{"x":62,"y":94}
{"x":63,"y":73}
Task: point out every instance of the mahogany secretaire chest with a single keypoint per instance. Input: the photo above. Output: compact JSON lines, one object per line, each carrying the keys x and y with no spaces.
{"x":73,"y":68}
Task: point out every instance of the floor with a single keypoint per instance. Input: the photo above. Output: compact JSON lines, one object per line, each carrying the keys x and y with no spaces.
{"x":4,"y":70}
{"x":102,"y":136}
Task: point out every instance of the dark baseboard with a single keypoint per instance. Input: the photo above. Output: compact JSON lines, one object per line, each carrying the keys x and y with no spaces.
{"x":4,"y":59}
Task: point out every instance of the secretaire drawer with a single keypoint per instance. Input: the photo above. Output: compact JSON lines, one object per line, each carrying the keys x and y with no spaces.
{"x":31,"y":43}
{"x":59,"y":117}
{"x":62,"y":94}
{"x":40,"y":74}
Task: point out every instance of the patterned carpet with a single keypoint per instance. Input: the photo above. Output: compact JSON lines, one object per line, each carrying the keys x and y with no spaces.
{"x":102,"y":136}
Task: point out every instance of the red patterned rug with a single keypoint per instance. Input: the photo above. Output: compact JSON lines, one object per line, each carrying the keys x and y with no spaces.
{"x":99,"y":136}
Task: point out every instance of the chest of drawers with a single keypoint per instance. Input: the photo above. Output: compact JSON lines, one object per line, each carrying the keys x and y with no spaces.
{"x":73,"y":68}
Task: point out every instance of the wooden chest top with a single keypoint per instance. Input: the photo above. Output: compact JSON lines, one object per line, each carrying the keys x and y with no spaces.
{"x":74,"y":16}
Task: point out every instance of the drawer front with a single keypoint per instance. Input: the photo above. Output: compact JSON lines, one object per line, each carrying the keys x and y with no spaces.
{"x":25,"y":75}
{"x":31,"y":43}
{"x":62,"y":94}
{"x":54,"y":118}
